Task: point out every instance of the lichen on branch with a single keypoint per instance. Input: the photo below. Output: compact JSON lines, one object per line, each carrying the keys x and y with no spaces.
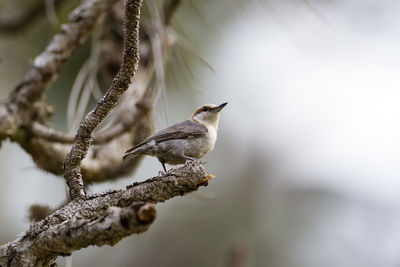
{"x":100,"y":219}
{"x":121,"y":82}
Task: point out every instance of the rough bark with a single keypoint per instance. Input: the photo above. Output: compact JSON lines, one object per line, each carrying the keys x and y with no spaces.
{"x":100,"y":219}
{"x":43,"y":247}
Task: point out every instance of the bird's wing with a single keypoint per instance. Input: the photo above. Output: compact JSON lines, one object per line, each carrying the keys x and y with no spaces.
{"x":181,"y":130}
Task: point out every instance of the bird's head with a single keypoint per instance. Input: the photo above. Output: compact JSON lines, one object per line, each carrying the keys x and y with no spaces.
{"x":208,"y":115}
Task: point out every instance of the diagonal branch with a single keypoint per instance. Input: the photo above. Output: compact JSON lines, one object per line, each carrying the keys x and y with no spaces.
{"x":25,"y":104}
{"x":101,"y":219}
{"x":83,"y":139}
{"x":47,"y":65}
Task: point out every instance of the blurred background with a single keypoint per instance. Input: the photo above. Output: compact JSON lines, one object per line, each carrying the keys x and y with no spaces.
{"x":307,"y":158}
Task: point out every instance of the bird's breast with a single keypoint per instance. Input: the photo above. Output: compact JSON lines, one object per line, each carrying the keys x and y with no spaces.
{"x":212,"y":137}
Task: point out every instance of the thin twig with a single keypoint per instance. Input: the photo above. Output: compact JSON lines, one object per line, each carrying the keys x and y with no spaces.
{"x":83,"y":140}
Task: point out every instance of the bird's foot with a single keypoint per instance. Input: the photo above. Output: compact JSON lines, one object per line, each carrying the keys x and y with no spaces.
{"x":195,"y":160}
{"x":190,"y":158}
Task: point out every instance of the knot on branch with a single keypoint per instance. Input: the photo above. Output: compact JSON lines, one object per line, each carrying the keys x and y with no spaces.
{"x":138,"y":212}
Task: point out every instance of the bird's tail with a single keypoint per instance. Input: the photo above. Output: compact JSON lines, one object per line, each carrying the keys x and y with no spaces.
{"x":131,"y":154}
{"x":142,"y":148}
{"x":139,"y":149}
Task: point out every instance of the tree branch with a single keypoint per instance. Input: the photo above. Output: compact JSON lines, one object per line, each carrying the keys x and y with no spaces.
{"x":50,"y":134}
{"x":24,"y":104}
{"x":47,"y":65}
{"x":48,"y":147}
{"x":100,"y":219}
{"x":68,"y":236}
{"x":83,"y":139}
{"x":144,"y":105}
{"x":102,"y":163}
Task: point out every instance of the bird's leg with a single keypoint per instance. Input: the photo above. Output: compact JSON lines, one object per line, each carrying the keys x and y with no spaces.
{"x":163,"y":164}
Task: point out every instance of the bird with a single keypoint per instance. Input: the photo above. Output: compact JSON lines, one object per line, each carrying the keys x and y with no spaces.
{"x":187,"y":140}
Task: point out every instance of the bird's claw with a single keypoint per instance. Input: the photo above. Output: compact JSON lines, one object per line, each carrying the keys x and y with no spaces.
{"x":196,"y":160}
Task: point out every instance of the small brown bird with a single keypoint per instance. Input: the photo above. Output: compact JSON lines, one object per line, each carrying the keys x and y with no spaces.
{"x":186,"y":140}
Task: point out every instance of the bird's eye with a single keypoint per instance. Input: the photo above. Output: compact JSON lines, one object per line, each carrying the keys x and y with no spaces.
{"x":205,"y":109}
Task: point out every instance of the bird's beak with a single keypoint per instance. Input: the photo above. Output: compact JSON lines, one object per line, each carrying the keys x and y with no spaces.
{"x":220,"y":107}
